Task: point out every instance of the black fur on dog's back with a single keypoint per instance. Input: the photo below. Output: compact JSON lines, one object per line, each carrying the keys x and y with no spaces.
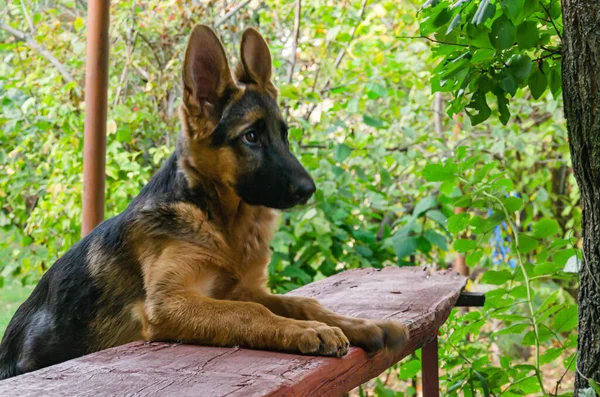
{"x":57,"y":322}
{"x":58,"y":310}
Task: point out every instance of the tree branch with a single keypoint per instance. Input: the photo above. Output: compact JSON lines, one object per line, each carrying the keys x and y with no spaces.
{"x":296,"y":35}
{"x":19,"y":35}
{"x":340,"y":56}
{"x":325,"y":146}
{"x":231,"y":13}
{"x":432,"y":40}
{"x":27,"y":17}
{"x":551,"y":21}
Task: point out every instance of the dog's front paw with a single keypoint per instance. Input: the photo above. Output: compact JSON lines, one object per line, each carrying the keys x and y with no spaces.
{"x":312,"y":337}
{"x":376,"y":335}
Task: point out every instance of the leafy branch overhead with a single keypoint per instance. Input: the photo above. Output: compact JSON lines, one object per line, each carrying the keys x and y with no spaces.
{"x":489,"y":50}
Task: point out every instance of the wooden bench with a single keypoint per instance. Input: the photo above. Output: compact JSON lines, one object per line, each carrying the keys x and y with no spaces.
{"x":412,"y":295}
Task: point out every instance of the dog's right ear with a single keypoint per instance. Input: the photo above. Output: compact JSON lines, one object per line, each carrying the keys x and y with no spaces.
{"x":206,"y":75}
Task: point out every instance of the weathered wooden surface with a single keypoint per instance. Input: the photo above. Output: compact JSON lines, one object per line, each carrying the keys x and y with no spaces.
{"x":411,"y":295}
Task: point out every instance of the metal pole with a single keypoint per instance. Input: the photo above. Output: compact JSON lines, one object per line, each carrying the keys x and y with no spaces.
{"x":430,"y":369}
{"x":94,"y":142}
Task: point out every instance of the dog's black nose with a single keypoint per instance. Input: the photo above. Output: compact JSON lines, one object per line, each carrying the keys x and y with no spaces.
{"x":302,"y":190}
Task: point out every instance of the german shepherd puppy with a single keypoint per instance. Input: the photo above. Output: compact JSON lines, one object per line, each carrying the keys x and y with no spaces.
{"x":187,"y":260}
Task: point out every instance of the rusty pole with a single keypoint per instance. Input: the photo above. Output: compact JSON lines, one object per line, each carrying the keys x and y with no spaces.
{"x":430,"y":368}
{"x":94,"y":141}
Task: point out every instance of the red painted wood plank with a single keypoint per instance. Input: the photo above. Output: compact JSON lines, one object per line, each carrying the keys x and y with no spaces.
{"x":411,"y":295}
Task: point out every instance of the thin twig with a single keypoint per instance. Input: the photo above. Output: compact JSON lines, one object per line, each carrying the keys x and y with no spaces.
{"x":342,"y":52}
{"x":28,"y":18}
{"x":323,"y":146}
{"x":527,"y":288}
{"x":131,"y":41}
{"x":432,"y":40}
{"x":551,"y":21}
{"x":231,"y":13}
{"x":125,"y":74}
{"x":295,"y":36}
{"x":558,"y":382}
{"x":19,"y":35}
{"x":340,"y":56}
{"x":153,"y":51}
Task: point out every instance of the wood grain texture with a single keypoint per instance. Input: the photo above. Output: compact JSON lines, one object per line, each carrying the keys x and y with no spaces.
{"x":414,"y":296}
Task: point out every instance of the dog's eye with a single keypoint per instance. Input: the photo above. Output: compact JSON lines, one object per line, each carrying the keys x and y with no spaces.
{"x":250,"y":136}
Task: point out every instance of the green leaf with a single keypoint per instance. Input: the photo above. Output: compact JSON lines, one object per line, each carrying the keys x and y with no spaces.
{"x":565,"y":320}
{"x":526,"y":243}
{"x":503,"y":184}
{"x":483,"y":54}
{"x":442,"y":18}
{"x":484,"y":384}
{"x":484,"y":11}
{"x":462,"y":201}
{"x":464,"y":245}
{"x":513,"y":204}
{"x":594,"y":385}
{"x":503,"y":33}
{"x":548,"y":302}
{"x":520,"y":66}
{"x":473,"y":257}
{"x":410,"y":369}
{"x":124,"y":134}
{"x":376,"y":91}
{"x":439,"y":172}
{"x":423,"y":245}
{"x":509,"y":84}
{"x":496,"y":277}
{"x":453,"y":24}
{"x":438,"y":217}
{"x":550,"y":355}
{"x":458,"y":222}
{"x":404,"y":246}
{"x":342,"y":152}
{"x":372,"y":121}
{"x":78,"y":24}
{"x":546,"y":227}
{"x":424,"y":205}
{"x":513,"y":329}
{"x":513,"y":8}
{"x":289,"y":91}
{"x":456,"y":386}
{"x":436,"y":239}
{"x":296,"y":272}
{"x":555,"y":81}
{"x":546,"y":268}
{"x":537,"y":83}
{"x":527,"y":35}
{"x":479,"y":103}
{"x":502,"y":106}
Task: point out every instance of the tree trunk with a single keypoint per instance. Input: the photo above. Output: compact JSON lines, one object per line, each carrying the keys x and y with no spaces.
{"x":581,"y":93}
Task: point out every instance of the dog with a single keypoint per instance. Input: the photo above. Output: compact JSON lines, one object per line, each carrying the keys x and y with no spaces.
{"x":187,"y":260}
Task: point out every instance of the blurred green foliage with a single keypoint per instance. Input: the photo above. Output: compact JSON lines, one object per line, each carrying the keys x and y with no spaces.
{"x":390,"y":163}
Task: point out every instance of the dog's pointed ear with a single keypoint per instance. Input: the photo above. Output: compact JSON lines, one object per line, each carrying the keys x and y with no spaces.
{"x":256,"y":65}
{"x":206,"y":74}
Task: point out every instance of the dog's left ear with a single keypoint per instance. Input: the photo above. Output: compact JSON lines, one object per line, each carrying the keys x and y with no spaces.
{"x":256,"y":64}
{"x":206,"y":75}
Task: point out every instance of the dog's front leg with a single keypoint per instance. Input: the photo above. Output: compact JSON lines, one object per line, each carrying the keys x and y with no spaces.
{"x":368,"y":334}
{"x":182,"y":315}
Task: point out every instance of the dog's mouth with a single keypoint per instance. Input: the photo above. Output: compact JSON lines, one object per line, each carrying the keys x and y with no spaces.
{"x":282,"y":196}
{"x":282,"y":203}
